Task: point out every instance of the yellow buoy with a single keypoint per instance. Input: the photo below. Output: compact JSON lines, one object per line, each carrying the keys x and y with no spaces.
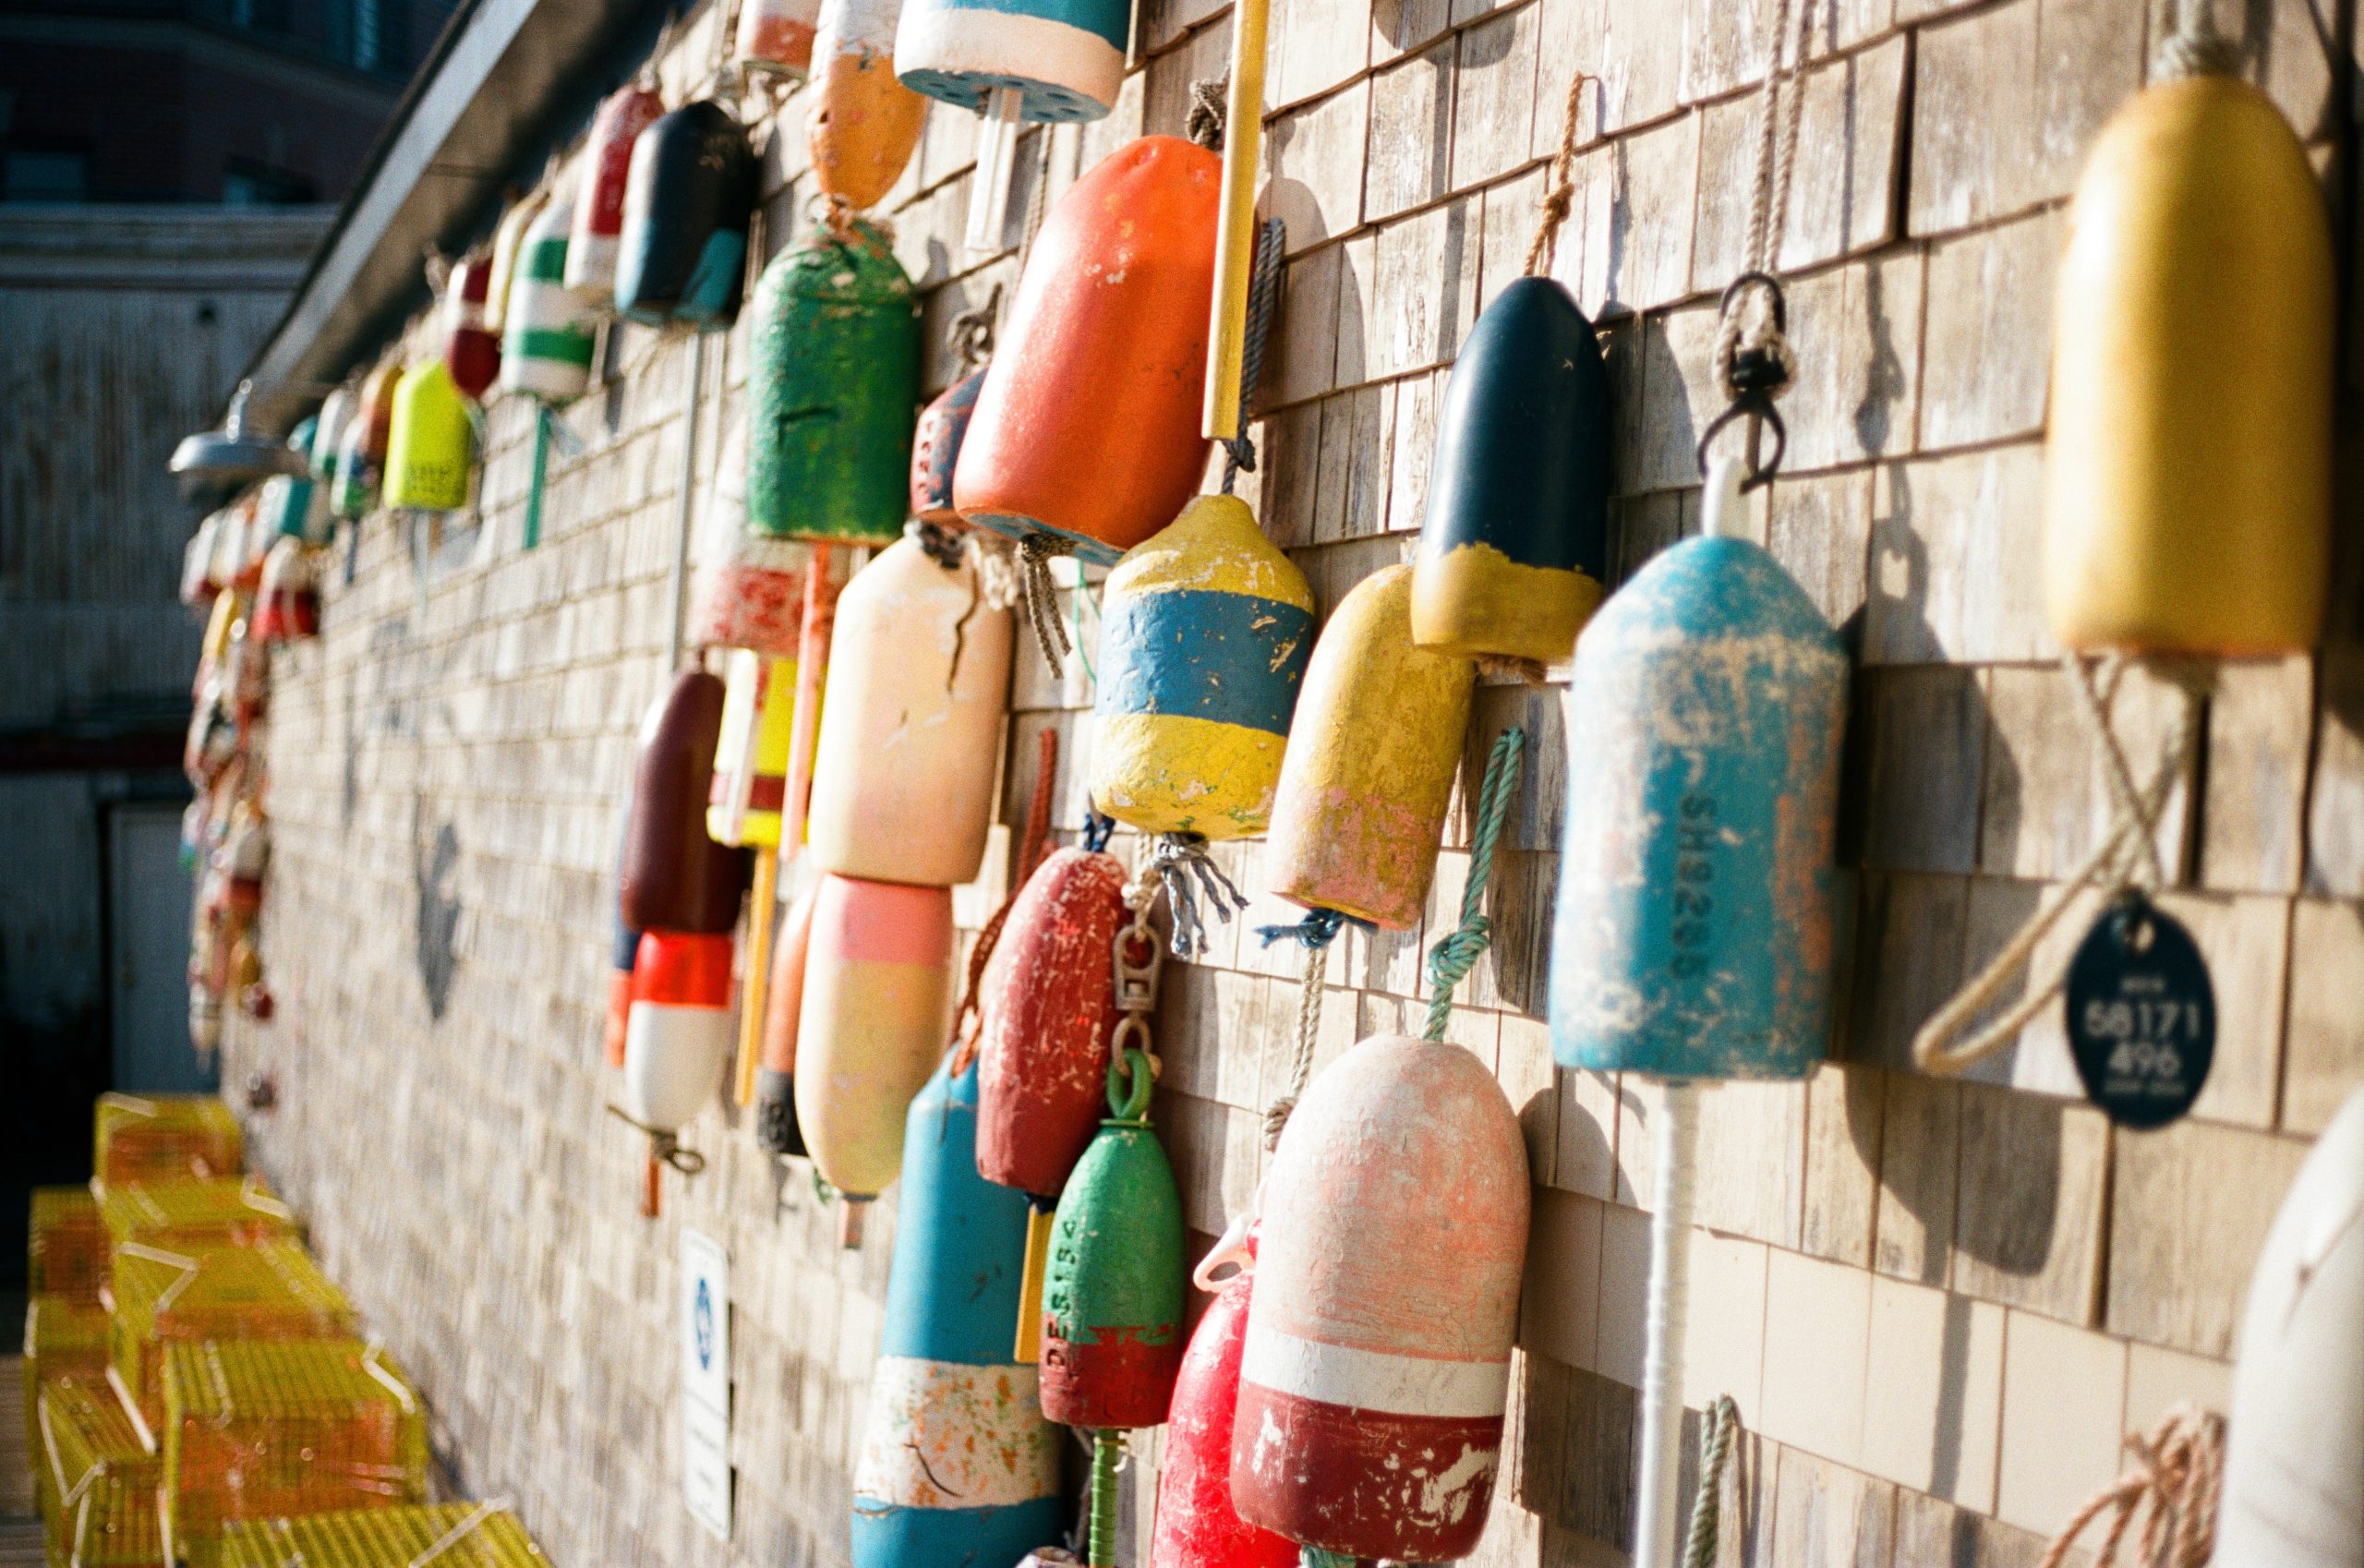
{"x":2188,"y":469}
{"x":1371,"y":758}
{"x":431,"y":449}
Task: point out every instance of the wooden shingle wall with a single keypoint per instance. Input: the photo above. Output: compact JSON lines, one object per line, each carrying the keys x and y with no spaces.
{"x":1937,"y":1303}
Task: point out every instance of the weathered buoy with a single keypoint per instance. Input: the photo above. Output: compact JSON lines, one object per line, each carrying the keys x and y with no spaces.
{"x":775,"y":37}
{"x":1063,"y":59}
{"x":1693,"y":937}
{"x":910,"y":727}
{"x":361,"y":453}
{"x":776,"y":1128}
{"x":877,"y":996}
{"x":1205,"y":634}
{"x":2191,"y":408}
{"x":830,"y":390}
{"x":957,"y":1468}
{"x":750,"y":750}
{"x":863,"y":123}
{"x":328,"y":432}
{"x":2294,"y":1457}
{"x":1111,"y":313}
{"x":547,"y":335}
{"x":1048,"y":1009}
{"x":606,"y":170}
{"x":689,"y":202}
{"x":1515,"y":544}
{"x":287,"y":607}
{"x":676,"y":1040}
{"x":431,"y":444}
{"x":471,"y":348}
{"x":1369,"y":776}
{"x":507,"y":248}
{"x":674,"y":876}
{"x":745,"y":591}
{"x":1376,"y":1364}
{"x":1196,"y":1525}
{"x":936,"y":447}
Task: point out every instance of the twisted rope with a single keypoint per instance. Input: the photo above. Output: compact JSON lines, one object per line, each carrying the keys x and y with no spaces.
{"x":1558,"y":185}
{"x":1707,"y":1505}
{"x":1263,"y":295}
{"x":1314,"y":933}
{"x":1180,"y":860}
{"x":2178,"y":1470}
{"x":1451,"y":960}
{"x":1203,"y":122}
{"x":1036,"y":553}
{"x":2193,"y":47}
{"x":2127,"y":858}
{"x":971,"y":331}
{"x":939,"y":543}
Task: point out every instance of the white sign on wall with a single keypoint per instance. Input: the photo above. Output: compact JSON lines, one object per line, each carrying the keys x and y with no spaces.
{"x":706,"y":1381}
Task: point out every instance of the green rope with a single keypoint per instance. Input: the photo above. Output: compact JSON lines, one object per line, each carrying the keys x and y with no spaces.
{"x":1708,"y":1506}
{"x":542,"y":419}
{"x":1107,"y":1455}
{"x":1452,"y":959}
{"x":1083,"y":595}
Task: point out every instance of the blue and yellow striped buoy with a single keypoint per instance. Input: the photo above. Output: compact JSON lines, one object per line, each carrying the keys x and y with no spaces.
{"x":1205,"y":631}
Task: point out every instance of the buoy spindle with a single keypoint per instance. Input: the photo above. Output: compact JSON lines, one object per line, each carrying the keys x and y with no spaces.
{"x":1236,"y":228}
{"x":996,"y":161}
{"x":811,"y":668}
{"x":1655,"y":1541}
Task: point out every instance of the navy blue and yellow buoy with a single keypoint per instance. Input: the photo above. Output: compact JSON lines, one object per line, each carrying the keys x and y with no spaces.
{"x":1516,"y":546}
{"x":1205,"y":631}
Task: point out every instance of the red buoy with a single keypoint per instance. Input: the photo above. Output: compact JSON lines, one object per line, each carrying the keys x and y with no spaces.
{"x":675,"y":878}
{"x":1196,"y":1525}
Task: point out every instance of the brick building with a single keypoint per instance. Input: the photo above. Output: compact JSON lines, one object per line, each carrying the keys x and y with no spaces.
{"x":1937,"y":1302}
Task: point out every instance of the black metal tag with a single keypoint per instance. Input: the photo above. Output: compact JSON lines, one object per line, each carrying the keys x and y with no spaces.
{"x":2141,"y":1015}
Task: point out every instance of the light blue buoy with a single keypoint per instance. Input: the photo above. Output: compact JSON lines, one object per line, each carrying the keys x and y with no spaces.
{"x":1692,"y":938}
{"x":957,"y":1469}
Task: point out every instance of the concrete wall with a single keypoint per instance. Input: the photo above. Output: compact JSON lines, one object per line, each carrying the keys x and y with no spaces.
{"x":1937,"y":1303}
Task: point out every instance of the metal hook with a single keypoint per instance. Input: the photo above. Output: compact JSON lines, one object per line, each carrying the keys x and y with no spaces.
{"x":1755,"y":407}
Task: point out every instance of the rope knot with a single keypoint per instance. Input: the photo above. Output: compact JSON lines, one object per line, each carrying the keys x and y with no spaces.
{"x":1204,"y":123}
{"x":1316,"y":931}
{"x":940,"y":544}
{"x":1181,"y":861}
{"x":971,"y":331}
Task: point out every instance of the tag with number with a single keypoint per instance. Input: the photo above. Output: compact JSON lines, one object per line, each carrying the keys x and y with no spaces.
{"x":2141,"y":1015}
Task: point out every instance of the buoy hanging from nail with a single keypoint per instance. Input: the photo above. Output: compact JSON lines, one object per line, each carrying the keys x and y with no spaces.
{"x":606,"y":170}
{"x":778,"y":1133}
{"x":775,"y":38}
{"x":689,"y":204}
{"x":935,"y":448}
{"x":864,"y":123}
{"x":677,"y":1035}
{"x":507,"y":248}
{"x":1358,"y":816}
{"x":1206,"y":633}
{"x":675,"y":877}
{"x":745,"y":591}
{"x":361,"y":452}
{"x":1111,"y":314}
{"x":910,"y":730}
{"x":1198,"y":1526}
{"x":957,"y":1466}
{"x":328,"y":433}
{"x":430,"y":441}
{"x":548,"y":329}
{"x":287,"y":607}
{"x":2188,"y":458}
{"x":471,"y":347}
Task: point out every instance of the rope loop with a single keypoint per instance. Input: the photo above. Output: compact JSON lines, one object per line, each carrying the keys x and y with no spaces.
{"x":1204,"y":122}
{"x":2175,"y":1481}
{"x":2194,"y":47}
{"x":1451,"y":960}
{"x":971,"y":331}
{"x":1754,"y":365}
{"x":1558,"y":185}
{"x":1716,"y":1434}
{"x":1315,"y":933}
{"x":1036,"y":553}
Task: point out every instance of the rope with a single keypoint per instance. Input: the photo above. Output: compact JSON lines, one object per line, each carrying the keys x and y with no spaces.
{"x":971,"y":331}
{"x":1558,"y":185}
{"x":1708,"y":1505}
{"x":1451,"y":960}
{"x":2178,"y":1470}
{"x":2193,"y":47}
{"x":1036,"y":553}
{"x":1263,"y":295}
{"x":1314,"y":933}
{"x":1098,"y":828}
{"x":2127,"y":858}
{"x":940,"y":544}
{"x":1034,"y":848}
{"x":1180,"y":860}
{"x":1203,"y":123}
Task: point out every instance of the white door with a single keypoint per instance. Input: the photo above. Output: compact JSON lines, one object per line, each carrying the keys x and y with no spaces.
{"x":148,"y":916}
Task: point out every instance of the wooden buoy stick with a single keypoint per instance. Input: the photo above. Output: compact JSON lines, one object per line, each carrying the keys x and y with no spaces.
{"x":1658,"y":1541}
{"x":811,"y":667}
{"x":1029,"y":1348}
{"x":752,"y":989}
{"x":1236,"y":228}
{"x":997,"y":157}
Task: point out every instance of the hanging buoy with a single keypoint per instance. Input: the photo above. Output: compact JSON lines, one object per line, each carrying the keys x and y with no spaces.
{"x":507,"y":249}
{"x":361,"y":454}
{"x":471,"y":348}
{"x":830,"y":390}
{"x":910,"y":727}
{"x":1196,"y":1525}
{"x":863,"y":123}
{"x":957,"y":1468}
{"x":776,"y":1129}
{"x":689,"y":202}
{"x":745,"y":591}
{"x":606,"y":170}
{"x":750,"y":750}
{"x":328,"y":432}
{"x":878,"y":991}
{"x":1205,"y":634}
{"x":1065,"y":60}
{"x":1376,"y":1364}
{"x":623,"y":956}
{"x":775,"y":37}
{"x":2191,"y":408}
{"x":2294,"y":1459}
{"x":431,"y":444}
{"x":936,"y":447}
{"x":1371,"y":757}
{"x":674,"y":876}
{"x":287,"y":607}
{"x":1515,"y":544}
{"x":547,"y":341}
{"x":1111,"y":313}
{"x":676,"y":1040}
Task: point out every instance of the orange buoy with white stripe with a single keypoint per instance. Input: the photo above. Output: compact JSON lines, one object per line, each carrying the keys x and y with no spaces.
{"x":677,"y":1037}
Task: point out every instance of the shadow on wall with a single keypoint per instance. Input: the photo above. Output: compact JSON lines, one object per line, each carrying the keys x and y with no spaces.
{"x":435,"y":872}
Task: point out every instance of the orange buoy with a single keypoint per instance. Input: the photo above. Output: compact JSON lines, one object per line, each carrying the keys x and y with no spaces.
{"x":1110,"y":316}
{"x":910,"y":722}
{"x":864,"y":124}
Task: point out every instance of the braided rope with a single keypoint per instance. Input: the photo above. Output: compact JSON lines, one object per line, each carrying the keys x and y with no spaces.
{"x":1558,"y":185}
{"x":1751,"y":323}
{"x":2179,"y":1471}
{"x":2193,"y":47}
{"x":1264,"y":297}
{"x":1452,"y":960}
{"x":1036,"y":553}
{"x":1315,"y":933}
{"x":1180,"y":860}
{"x":1707,"y":1505}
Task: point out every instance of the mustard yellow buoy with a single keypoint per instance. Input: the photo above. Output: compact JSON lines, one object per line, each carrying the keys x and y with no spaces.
{"x":2188,"y":470}
{"x":1371,"y":756}
{"x":430,"y":446}
{"x":1205,"y":631}
{"x":751,"y":757}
